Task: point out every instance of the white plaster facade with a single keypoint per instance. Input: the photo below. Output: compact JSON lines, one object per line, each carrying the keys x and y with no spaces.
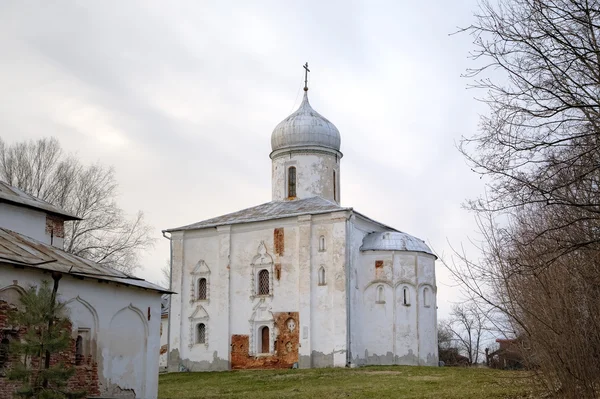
{"x":364,"y":292}
{"x":118,"y":317}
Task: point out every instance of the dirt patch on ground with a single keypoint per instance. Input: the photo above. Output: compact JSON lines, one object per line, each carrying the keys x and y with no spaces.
{"x":424,"y":378}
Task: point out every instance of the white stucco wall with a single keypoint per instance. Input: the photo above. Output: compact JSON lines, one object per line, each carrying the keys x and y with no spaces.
{"x":124,"y":325}
{"x":314,"y":175}
{"x":25,"y":221}
{"x":231,"y":306}
{"x":389,"y":331}
{"x":164,"y":340}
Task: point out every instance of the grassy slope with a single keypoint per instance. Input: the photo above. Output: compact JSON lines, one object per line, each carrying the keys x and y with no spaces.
{"x":368,"y":382}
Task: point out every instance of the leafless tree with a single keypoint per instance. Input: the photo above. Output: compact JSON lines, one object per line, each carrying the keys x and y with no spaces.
{"x":467,"y":326}
{"x":538,"y":150}
{"x":105,"y":235}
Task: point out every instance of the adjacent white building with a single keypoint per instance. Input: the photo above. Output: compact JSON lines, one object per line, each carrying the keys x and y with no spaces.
{"x":300,"y":280}
{"x":115,"y":317}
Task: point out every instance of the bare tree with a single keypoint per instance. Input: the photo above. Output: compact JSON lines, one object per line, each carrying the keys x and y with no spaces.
{"x":105,"y":235}
{"x":538,"y":149}
{"x":467,"y":326}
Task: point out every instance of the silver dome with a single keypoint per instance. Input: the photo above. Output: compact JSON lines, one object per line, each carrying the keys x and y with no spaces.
{"x":394,"y":241}
{"x":305,"y":127}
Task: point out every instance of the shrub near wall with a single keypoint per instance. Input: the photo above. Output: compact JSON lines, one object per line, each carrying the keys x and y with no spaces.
{"x":86,"y":374}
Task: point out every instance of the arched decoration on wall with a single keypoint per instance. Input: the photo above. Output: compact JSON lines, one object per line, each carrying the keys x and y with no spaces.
{"x":260,"y":263}
{"x":291,"y":182}
{"x":127,"y":354}
{"x":261,"y":317}
{"x":199,"y":316}
{"x":321,"y":276}
{"x":12,"y":294}
{"x":427,"y":292}
{"x":84,"y":320}
{"x":201,"y":271}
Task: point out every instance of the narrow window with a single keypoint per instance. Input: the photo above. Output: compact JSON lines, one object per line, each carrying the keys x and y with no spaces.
{"x":380,"y":294}
{"x":264,"y":340}
{"x":263,"y":282}
{"x":202,"y":289}
{"x":322,"y":243}
{"x":322,"y":276}
{"x":4,"y":346}
{"x":426,"y":297}
{"x":79,"y":350}
{"x":334,"y":187}
{"x":406,"y":297}
{"x":292,"y":182}
{"x":201,"y":334}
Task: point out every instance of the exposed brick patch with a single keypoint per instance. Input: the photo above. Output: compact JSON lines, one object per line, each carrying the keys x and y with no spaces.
{"x":286,"y":346}
{"x":55,"y":225}
{"x":86,"y":374}
{"x":278,"y":239}
{"x":278,"y":271}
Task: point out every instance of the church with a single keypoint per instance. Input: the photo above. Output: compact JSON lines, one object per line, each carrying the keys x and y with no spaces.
{"x":300,"y":281}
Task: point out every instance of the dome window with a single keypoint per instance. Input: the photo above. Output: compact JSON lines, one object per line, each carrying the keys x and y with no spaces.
{"x":292,"y":182}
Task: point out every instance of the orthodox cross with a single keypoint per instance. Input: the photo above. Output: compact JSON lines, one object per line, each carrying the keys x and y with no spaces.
{"x":306,"y":71}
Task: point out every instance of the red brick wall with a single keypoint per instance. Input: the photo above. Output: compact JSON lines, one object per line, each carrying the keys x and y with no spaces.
{"x":56,"y":225}
{"x":86,"y":374}
{"x":286,"y":347}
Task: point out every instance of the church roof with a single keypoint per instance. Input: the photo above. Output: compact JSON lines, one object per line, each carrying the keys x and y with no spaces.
{"x":305,"y":128}
{"x":267,"y":211}
{"x":15,"y":196}
{"x":394,"y":241}
{"x":22,"y":251}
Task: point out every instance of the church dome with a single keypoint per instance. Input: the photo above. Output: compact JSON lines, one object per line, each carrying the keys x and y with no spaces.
{"x":305,"y":128}
{"x":394,"y":241}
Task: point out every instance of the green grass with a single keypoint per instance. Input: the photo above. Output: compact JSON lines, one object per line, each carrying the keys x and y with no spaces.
{"x":367,"y":382}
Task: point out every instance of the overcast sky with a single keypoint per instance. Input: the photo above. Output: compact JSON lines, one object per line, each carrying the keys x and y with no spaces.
{"x":181,"y":98}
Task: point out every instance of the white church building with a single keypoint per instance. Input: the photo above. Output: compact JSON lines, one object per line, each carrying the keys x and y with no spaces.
{"x":300,"y":281}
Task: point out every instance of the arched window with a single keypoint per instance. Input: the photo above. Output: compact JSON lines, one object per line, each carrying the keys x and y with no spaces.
{"x":264,"y":340}
{"x":79,"y":350}
{"x":263,"y":282}
{"x":322,"y":276}
{"x":380,"y":294}
{"x":292,"y":182}
{"x":4,"y":346}
{"x":201,"y":333}
{"x":405,"y":296}
{"x":202,"y":289}
{"x":426,"y":297}
{"x":322,"y":243}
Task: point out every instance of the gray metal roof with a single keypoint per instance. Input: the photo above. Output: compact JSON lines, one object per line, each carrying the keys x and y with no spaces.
{"x":18,"y":197}
{"x":19,"y":250}
{"x":267,"y":211}
{"x":305,"y":127}
{"x":394,"y":241}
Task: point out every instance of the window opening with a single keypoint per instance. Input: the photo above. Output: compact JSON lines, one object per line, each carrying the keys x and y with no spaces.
{"x":79,"y":350}
{"x":334,"y":187}
{"x":405,"y":296}
{"x":426,"y":297}
{"x":201,"y":339}
{"x":380,"y":294}
{"x":263,"y":282}
{"x":322,"y":243}
{"x":264,"y":335}
{"x":202,"y":289}
{"x":322,"y":276}
{"x":292,"y":182}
